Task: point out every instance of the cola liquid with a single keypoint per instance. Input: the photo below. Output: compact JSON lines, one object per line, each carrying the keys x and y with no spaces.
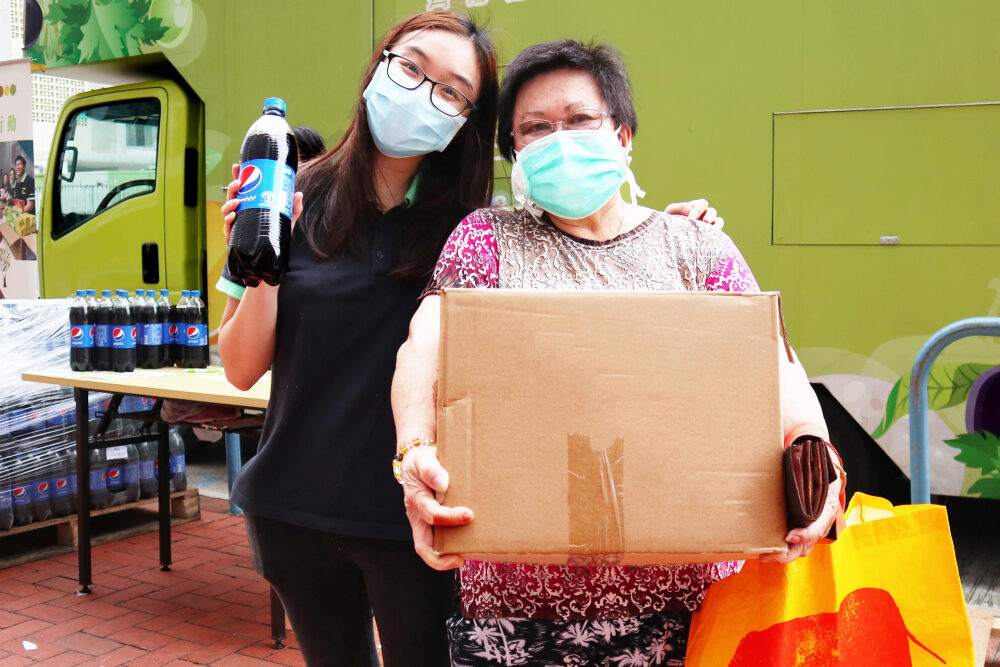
{"x":123,"y":474}
{"x":81,"y":333}
{"x":194,"y":326}
{"x":149,"y":351}
{"x":102,"y":332}
{"x":123,"y":334}
{"x":6,"y":502}
{"x":168,"y":330}
{"x":258,"y":244}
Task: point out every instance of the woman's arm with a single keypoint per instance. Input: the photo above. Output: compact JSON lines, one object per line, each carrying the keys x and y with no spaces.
{"x":414,"y":408}
{"x":246,"y":336}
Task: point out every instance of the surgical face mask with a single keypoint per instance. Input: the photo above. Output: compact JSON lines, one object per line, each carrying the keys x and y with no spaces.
{"x":571,"y":173}
{"x":403,"y":122}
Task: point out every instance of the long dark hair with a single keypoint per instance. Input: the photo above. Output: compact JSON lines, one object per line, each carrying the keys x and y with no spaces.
{"x":339,"y":187}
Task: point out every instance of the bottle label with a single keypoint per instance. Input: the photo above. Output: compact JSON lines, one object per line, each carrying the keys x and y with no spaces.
{"x":123,"y":337}
{"x":98,"y":480}
{"x":116,"y":476}
{"x":40,"y":490}
{"x":131,"y":473}
{"x":147,"y":469}
{"x":176,"y":464}
{"x":81,"y":335}
{"x":20,"y":494}
{"x":151,"y":334}
{"x":196,"y":335}
{"x":103,"y":335}
{"x":169,"y":333}
{"x":5,"y":500}
{"x":266,"y":184}
{"x":59,"y":487}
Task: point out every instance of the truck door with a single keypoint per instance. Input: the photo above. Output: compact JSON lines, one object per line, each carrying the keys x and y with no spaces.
{"x":116,"y":172}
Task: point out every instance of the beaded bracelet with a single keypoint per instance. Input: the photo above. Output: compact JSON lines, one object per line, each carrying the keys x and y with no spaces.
{"x":401,"y":450}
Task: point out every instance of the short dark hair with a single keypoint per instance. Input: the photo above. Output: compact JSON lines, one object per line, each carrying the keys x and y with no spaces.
{"x":20,"y":158}
{"x":309,"y":141}
{"x":604,"y":63}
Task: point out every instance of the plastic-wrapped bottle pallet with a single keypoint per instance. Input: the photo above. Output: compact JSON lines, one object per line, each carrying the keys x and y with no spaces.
{"x":37,"y":421}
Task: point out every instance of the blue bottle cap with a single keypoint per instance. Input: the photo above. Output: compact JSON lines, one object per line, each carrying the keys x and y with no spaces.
{"x":185,"y":292}
{"x":81,"y":292}
{"x":164,"y":292}
{"x":91,"y":292}
{"x":196,"y":292}
{"x":140,"y":292}
{"x":275,"y":103}
{"x":105,"y":292}
{"x":121,"y":292}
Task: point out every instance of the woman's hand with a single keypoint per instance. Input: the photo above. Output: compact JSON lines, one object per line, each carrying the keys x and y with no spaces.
{"x":802,"y":540}
{"x":232,"y":203}
{"x":422,"y":476}
{"x":697,"y":209}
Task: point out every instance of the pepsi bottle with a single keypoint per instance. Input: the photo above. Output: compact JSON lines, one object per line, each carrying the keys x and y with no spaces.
{"x":39,"y":464}
{"x":20,"y":486}
{"x":98,"y":480}
{"x":123,"y":474}
{"x":122,"y":334}
{"x":178,"y":466}
{"x":62,"y":483}
{"x":149,"y":352}
{"x":195,"y":327}
{"x":168,"y":330}
{"x":147,"y":469}
{"x":6,"y":502}
{"x":269,"y":158}
{"x":102,"y":332}
{"x":81,"y":333}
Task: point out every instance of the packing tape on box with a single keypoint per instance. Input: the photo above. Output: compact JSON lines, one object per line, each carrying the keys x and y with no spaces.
{"x":596,"y":496}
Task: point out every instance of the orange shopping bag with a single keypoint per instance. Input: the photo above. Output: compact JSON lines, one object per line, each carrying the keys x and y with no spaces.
{"x":885,"y":594}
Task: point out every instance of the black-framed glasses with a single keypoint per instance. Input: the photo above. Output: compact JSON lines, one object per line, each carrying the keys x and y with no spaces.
{"x":407,"y":74}
{"x":581,"y":119}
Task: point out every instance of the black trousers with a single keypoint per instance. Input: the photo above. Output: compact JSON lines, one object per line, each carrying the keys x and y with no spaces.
{"x":330,"y":584}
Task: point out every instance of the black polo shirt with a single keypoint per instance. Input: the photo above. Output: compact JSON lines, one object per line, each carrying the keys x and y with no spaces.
{"x":325,"y":456}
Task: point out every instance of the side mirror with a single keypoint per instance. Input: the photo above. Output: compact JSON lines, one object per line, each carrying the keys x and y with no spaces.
{"x":69,"y":163}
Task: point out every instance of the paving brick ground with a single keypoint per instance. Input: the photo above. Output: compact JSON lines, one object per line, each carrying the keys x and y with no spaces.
{"x":210,"y":609}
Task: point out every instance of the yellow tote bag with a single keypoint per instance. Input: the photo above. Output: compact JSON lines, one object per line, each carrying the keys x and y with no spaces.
{"x":885,"y":594}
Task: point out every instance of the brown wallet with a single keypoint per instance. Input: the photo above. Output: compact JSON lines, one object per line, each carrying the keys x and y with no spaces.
{"x":808,"y":473}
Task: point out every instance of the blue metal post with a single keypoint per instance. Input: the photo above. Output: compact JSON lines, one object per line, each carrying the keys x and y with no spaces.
{"x":920,"y":466}
{"x":234,"y":462}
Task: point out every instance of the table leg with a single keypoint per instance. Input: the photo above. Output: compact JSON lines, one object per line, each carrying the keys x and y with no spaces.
{"x":83,"y":489}
{"x":277,"y":620}
{"x":234,"y":461}
{"x":163,"y":463}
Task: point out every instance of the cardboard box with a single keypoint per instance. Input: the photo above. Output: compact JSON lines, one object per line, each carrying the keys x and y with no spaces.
{"x":611,"y":427}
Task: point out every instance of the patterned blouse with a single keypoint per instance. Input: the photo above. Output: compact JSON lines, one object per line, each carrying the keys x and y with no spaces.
{"x":499,"y":248}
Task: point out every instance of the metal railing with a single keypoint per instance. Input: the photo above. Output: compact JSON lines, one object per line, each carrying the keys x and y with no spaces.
{"x":920,"y":466}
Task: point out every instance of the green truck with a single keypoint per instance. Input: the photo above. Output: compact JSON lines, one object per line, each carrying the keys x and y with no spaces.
{"x":851,"y":147}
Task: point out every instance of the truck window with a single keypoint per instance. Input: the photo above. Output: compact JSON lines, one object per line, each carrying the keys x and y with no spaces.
{"x":108,"y":155}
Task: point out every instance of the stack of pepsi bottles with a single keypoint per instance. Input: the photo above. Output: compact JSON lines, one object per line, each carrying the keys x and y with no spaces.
{"x":143,"y":331}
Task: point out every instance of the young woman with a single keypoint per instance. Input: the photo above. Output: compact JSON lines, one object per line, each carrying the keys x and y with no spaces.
{"x":324,"y":519}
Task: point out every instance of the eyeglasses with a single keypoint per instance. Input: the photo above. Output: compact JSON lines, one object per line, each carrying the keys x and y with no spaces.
{"x":581,"y":119}
{"x":407,"y":74}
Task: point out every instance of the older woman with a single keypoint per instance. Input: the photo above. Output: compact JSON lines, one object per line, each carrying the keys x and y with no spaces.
{"x":566,"y":120}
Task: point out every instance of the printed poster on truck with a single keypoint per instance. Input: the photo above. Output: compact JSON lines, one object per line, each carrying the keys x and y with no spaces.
{"x":18,"y":229}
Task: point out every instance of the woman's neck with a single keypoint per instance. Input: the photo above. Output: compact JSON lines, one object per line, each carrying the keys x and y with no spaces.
{"x":609,"y":221}
{"x":393,"y":176}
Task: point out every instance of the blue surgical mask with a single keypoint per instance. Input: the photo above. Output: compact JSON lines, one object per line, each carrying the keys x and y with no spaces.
{"x":571,"y":173}
{"x":403,"y":122}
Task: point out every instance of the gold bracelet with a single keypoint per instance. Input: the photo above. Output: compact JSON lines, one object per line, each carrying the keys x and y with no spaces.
{"x":401,"y":450}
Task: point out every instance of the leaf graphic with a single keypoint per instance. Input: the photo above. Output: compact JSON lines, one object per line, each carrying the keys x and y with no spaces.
{"x":978,"y":450}
{"x":987,"y":487}
{"x":947,"y":385}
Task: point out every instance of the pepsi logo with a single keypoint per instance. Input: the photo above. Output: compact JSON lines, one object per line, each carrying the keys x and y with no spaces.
{"x":118,"y":334}
{"x":76,"y":333}
{"x":19,"y":491}
{"x":42,"y":487}
{"x":114,"y":473}
{"x":192,"y":333}
{"x":250,"y":178}
{"x":91,"y":332}
{"x":132,"y":333}
{"x":61,"y":483}
{"x":173,"y":329}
